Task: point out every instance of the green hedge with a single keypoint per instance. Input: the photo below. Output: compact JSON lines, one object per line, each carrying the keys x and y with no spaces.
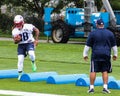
{"x":6,"y":23}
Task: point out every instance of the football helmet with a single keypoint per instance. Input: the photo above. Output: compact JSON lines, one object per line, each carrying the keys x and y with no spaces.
{"x":18,"y":21}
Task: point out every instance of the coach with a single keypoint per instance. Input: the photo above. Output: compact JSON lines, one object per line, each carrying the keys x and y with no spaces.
{"x":101,"y":41}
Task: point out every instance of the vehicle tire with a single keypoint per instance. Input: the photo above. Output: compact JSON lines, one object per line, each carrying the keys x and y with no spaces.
{"x":60,"y":32}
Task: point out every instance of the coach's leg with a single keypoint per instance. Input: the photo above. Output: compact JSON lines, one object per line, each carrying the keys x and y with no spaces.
{"x":105,"y":81}
{"x":105,"y":78}
{"x":92,"y":79}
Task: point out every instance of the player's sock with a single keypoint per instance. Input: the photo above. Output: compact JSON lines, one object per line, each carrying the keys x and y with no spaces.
{"x":105,"y":86}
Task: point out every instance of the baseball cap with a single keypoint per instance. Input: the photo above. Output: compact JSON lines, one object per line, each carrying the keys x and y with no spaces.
{"x":100,"y":22}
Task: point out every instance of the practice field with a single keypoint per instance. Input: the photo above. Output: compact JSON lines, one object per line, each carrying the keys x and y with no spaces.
{"x":61,"y":58}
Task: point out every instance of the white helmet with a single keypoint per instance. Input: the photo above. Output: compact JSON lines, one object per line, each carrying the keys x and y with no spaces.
{"x":18,"y":21}
{"x":18,"y":18}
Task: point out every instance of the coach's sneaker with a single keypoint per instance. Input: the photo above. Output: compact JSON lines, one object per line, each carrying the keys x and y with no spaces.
{"x":34,"y":68}
{"x":90,"y":91}
{"x":106,"y":91}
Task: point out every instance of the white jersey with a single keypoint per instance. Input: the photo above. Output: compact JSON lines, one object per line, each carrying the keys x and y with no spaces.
{"x":26,"y":33}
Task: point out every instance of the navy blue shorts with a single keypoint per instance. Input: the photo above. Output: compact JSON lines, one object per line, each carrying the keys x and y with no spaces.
{"x":24,"y":48}
{"x":101,"y":66}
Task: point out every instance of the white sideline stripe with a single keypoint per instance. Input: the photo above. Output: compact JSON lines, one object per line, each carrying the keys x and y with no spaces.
{"x":20,"y":93}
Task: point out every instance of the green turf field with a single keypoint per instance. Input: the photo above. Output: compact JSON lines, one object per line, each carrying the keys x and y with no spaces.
{"x":61,"y":58}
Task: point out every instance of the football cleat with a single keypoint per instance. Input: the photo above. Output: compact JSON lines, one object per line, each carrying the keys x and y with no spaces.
{"x":90,"y":91}
{"x":19,"y":75}
{"x":106,"y":91}
{"x":34,"y":67}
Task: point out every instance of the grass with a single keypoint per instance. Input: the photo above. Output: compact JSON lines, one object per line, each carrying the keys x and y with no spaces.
{"x":62,"y":58}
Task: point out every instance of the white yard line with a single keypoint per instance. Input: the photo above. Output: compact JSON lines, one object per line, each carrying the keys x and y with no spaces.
{"x":20,"y":93}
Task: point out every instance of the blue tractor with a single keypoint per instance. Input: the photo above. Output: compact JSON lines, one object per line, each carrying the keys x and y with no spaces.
{"x":78,"y":22}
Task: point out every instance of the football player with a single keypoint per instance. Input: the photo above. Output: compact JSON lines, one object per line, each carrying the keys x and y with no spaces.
{"x":23,"y":36}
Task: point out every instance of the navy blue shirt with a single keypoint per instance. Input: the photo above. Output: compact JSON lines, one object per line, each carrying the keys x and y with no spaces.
{"x":101,"y":41}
